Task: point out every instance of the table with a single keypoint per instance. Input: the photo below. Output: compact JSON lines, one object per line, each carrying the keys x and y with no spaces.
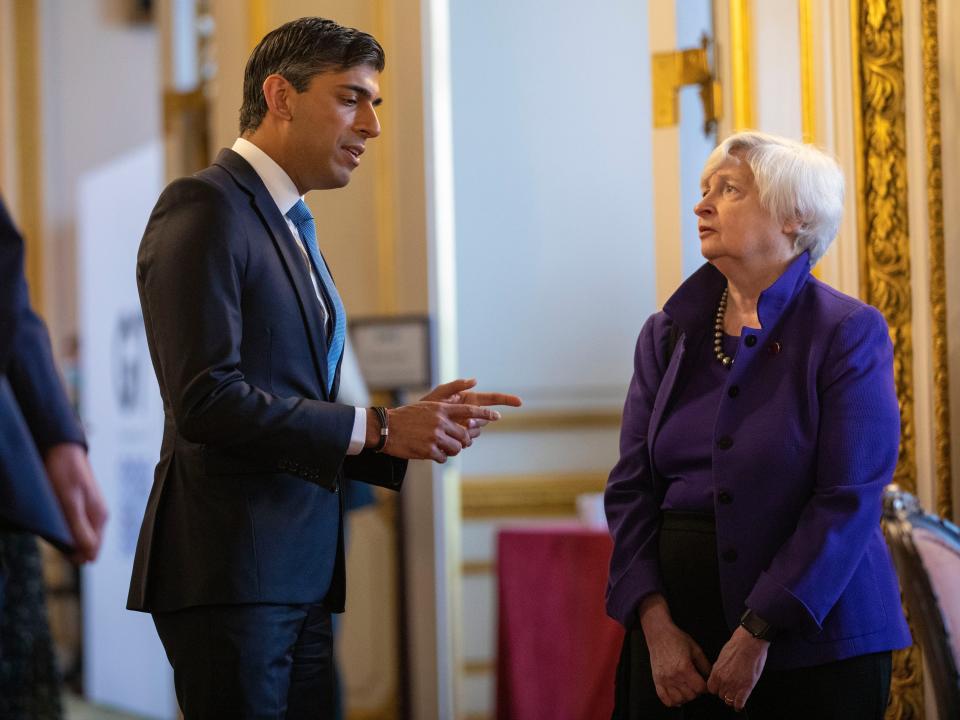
{"x":557,"y":649}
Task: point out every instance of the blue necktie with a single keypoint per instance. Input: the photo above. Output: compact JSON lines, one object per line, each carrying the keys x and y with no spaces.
{"x":300,"y":216}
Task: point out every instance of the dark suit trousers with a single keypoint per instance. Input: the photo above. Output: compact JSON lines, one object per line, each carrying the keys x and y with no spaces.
{"x":250,"y":661}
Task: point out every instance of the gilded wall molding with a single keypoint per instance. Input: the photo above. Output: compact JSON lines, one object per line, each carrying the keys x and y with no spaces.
{"x":544,"y":495}
{"x":554,"y":420}
{"x":29,"y":140}
{"x":938,"y":277}
{"x":885,"y":248}
{"x":258,"y":23}
{"x":741,"y":47}
{"x":808,"y":72}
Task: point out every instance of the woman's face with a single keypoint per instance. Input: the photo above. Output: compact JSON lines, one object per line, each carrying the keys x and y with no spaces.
{"x":733,"y":225}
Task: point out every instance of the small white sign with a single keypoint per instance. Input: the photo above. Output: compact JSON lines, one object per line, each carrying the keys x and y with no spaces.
{"x":394,"y":353}
{"x":125,"y":666}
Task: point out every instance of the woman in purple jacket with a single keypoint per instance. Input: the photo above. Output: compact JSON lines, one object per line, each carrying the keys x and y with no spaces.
{"x":759,"y":430}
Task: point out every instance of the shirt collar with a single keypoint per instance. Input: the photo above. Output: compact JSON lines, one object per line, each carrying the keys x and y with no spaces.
{"x":274,"y":177}
{"x":693,"y":305}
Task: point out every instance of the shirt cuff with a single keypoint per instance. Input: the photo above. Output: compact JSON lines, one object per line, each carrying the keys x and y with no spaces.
{"x":358,"y":438}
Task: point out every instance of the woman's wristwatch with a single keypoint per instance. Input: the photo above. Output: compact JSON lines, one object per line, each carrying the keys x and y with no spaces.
{"x":757,"y":626}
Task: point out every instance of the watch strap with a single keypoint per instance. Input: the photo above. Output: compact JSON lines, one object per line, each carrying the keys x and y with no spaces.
{"x":757,"y":626}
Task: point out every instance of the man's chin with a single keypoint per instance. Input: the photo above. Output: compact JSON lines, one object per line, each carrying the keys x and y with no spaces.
{"x":333,"y":181}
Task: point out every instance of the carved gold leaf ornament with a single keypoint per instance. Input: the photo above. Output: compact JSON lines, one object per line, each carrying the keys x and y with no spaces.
{"x":885,"y":250}
{"x":938,"y":279}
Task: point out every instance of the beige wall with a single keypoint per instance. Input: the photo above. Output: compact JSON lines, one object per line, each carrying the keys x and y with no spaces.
{"x":373,"y":231}
{"x":100,"y":99}
{"x":7,"y":75}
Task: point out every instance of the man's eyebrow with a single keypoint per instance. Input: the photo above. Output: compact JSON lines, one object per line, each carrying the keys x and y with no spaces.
{"x":361,"y":90}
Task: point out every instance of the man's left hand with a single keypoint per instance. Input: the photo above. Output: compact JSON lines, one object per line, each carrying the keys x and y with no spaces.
{"x":79,"y":496}
{"x":737,"y":669}
{"x":458,"y":392}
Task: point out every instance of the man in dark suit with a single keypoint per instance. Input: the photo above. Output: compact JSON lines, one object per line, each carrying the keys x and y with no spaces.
{"x":240,"y":557}
{"x":46,"y":484}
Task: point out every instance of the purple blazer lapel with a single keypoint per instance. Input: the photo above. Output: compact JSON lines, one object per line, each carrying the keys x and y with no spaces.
{"x":665,"y":390}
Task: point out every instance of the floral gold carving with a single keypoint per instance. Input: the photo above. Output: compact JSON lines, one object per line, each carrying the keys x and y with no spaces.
{"x":938,"y":279}
{"x":885,"y":251}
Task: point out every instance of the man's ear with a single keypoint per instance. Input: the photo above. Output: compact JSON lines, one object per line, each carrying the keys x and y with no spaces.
{"x":278,"y":92}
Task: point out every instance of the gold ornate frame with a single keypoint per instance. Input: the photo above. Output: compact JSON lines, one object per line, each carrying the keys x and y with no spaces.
{"x":938,"y":279}
{"x":882,"y":185}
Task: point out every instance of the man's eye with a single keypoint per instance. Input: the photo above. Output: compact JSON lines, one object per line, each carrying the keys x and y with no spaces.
{"x":349,"y":101}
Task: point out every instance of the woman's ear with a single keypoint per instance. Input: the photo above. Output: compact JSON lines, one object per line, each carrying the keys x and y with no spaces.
{"x":792,"y":226}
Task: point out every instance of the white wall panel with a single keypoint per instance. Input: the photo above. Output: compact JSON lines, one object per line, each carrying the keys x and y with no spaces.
{"x":551,"y":125}
{"x":776,"y":67}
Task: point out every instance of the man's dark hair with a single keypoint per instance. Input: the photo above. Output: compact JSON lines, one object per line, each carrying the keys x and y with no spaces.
{"x":299,"y":50}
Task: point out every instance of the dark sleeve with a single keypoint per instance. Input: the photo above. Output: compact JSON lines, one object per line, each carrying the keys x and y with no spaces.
{"x":191,"y":270}
{"x":25,"y":352}
{"x":38,"y":388}
{"x":375,"y":469}
{"x":631,"y":501}
{"x":13,"y":285}
{"x":856,"y":455}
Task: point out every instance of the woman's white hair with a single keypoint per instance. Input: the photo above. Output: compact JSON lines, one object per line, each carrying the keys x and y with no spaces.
{"x":796,"y":182}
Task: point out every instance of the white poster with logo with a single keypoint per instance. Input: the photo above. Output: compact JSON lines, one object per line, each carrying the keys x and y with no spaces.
{"x":124,"y":663}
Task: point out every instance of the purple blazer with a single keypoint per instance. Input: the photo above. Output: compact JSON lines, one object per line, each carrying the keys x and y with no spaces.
{"x":806,"y":437}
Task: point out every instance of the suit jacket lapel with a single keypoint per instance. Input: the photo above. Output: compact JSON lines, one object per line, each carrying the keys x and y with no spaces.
{"x":289,"y":253}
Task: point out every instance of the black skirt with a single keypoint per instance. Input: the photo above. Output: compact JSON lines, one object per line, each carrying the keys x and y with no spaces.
{"x":856,"y":688}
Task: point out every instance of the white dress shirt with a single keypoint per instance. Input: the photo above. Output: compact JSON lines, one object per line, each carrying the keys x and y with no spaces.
{"x":285,"y":195}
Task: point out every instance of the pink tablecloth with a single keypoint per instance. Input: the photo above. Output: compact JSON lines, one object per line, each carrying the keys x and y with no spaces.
{"x":557,"y":650}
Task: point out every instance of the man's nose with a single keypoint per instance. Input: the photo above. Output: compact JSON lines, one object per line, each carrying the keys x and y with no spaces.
{"x":369,"y":124}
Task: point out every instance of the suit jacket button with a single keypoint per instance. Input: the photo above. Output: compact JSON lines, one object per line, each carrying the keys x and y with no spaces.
{"x":724,"y":497}
{"x":725,"y":442}
{"x":729,"y":555}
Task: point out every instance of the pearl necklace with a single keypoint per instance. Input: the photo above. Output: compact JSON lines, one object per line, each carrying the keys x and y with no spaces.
{"x":725,"y":359}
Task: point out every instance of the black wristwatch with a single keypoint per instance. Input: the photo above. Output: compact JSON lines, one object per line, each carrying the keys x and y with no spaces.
{"x":757,"y":626}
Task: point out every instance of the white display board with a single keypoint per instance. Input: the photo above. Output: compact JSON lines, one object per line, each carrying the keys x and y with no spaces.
{"x":124,"y":663}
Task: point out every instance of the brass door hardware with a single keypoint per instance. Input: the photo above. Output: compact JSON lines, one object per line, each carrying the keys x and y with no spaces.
{"x":675,"y":69}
